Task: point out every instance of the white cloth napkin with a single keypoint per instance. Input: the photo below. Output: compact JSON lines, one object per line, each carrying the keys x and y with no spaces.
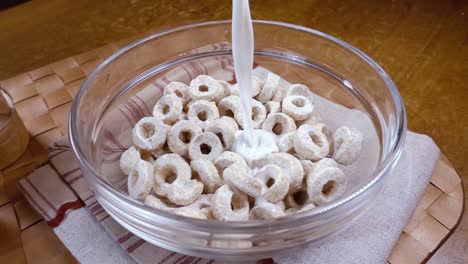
{"x":369,"y":240}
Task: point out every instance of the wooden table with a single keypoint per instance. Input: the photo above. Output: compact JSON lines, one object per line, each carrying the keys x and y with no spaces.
{"x":421,"y":44}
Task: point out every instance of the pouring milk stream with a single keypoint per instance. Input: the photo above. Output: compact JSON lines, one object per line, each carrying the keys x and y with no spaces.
{"x":251,"y":144}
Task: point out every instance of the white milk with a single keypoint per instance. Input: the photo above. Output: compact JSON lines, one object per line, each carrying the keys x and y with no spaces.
{"x":251,"y":144}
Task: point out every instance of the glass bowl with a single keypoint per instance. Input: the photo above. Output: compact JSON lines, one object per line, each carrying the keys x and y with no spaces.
{"x":126,"y":86}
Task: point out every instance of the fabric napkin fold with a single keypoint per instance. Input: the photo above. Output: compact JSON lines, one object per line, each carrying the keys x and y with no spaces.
{"x":58,"y":189}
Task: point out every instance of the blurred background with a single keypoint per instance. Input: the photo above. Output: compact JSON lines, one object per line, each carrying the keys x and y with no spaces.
{"x":422,"y":44}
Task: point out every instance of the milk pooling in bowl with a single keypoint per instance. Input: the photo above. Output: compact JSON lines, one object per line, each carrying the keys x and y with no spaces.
{"x":251,"y":144}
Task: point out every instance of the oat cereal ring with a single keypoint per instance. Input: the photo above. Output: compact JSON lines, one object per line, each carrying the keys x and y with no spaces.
{"x":168,"y":169}
{"x":183,"y":192}
{"x":286,"y":143}
{"x":297,"y":198}
{"x":236,"y":176}
{"x":181,"y":134}
{"x":311,"y":142}
{"x":202,"y":112}
{"x":347,"y":144}
{"x":269,"y":88}
{"x":231,"y":122}
{"x":307,"y":165}
{"x":168,"y":109}
{"x":297,"y":106}
{"x":178,"y":89}
{"x":226,"y":159}
{"x":279,"y":124}
{"x":154,"y":202}
{"x":272,"y":107}
{"x":256,"y":87}
{"x":129,"y":159}
{"x":280,"y":93}
{"x":156,"y":153}
{"x":300,"y":89}
{"x":205,"y":145}
{"x":149,"y":133}
{"x":325,"y":185}
{"x":230,"y":106}
{"x":204,"y":205}
{"x":313,"y":119}
{"x":322,"y":164}
{"x":290,"y":165}
{"x":275,"y":183}
{"x":228,"y":204}
{"x":258,"y":114}
{"x":224,"y":130}
{"x":206,"y":172}
{"x":266,"y":211}
{"x":204,"y":87}
{"x":189,"y":212}
{"x":140,"y":180}
{"x":299,"y":209}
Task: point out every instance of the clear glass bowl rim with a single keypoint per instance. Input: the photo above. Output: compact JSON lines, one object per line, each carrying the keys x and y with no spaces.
{"x":389,"y":160}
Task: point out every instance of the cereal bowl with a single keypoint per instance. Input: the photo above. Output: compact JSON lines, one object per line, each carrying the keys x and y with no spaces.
{"x":350,"y":89}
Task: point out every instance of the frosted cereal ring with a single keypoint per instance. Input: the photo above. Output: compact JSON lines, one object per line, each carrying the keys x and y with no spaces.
{"x":167,"y":169}
{"x":347,"y":144}
{"x":154,"y":202}
{"x":231,"y":122}
{"x":224,"y":130}
{"x":140,"y":180}
{"x":322,"y":164}
{"x":297,"y":198}
{"x":204,"y":87}
{"x":149,"y":133}
{"x":236,"y":176}
{"x":300,"y":89}
{"x":258,"y":114}
{"x":266,"y":211}
{"x":129,"y":159}
{"x":181,"y":134}
{"x":168,"y":109}
{"x":184,"y":192}
{"x":269,"y":88}
{"x":187,"y":211}
{"x":294,"y":210}
{"x":229,"y":205}
{"x":202,"y":112}
{"x":280,"y":93}
{"x":205,"y":146}
{"x":205,"y":171}
{"x":325,"y":185}
{"x":178,"y":89}
{"x":297,"y":107}
{"x":230,"y":106}
{"x":272,"y":107}
{"x":311,"y":142}
{"x":256,"y":87}
{"x":279,"y":124}
{"x":286,"y":143}
{"x":156,"y":153}
{"x":290,"y":165}
{"x":204,"y":205}
{"x":275,"y":183}
{"x":307,"y":165}
{"x":226,"y":159}
{"x":313,"y":119}
{"x":224,"y":92}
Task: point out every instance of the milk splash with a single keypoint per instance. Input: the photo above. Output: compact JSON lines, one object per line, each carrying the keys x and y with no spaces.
{"x":251,"y":144}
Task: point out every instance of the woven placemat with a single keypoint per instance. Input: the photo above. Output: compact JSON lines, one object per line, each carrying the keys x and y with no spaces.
{"x":43,"y":99}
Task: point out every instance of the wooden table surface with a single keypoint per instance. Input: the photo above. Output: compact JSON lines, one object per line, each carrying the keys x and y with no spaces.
{"x":422,"y":44}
